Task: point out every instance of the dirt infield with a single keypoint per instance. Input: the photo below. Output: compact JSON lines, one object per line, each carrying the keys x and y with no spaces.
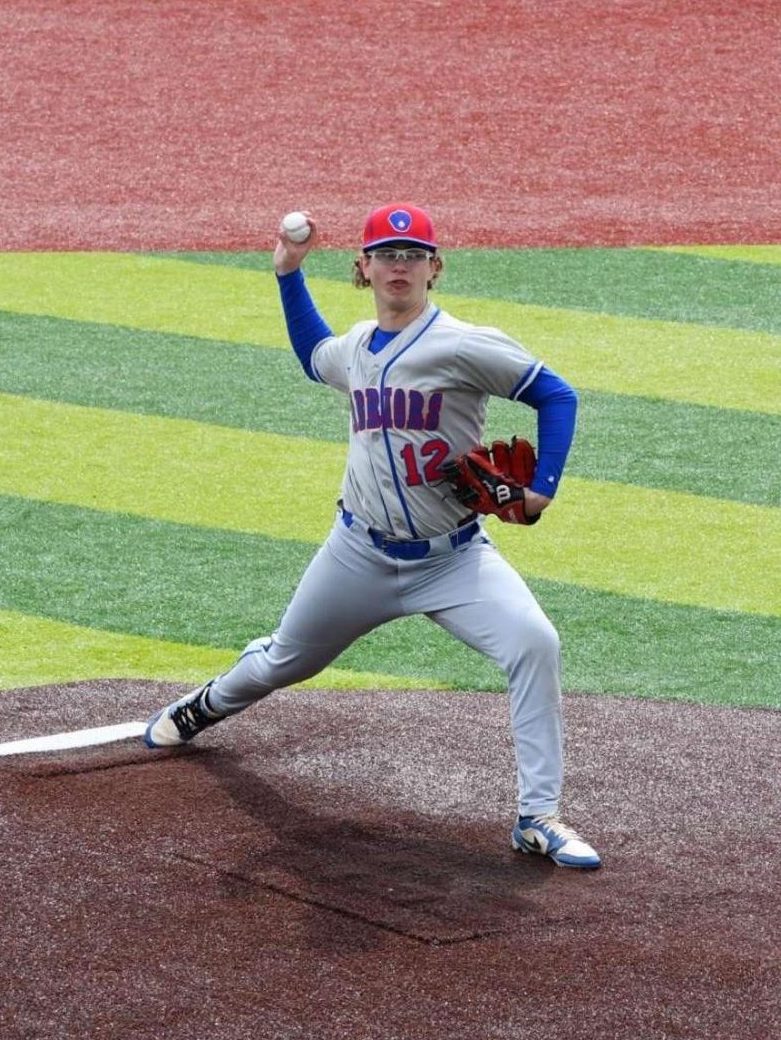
{"x":335,"y":864}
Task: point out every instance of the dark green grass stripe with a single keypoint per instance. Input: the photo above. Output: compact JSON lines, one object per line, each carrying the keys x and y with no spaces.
{"x":635,"y":283}
{"x":654,"y":443}
{"x":155,"y":374}
{"x":216,"y":588}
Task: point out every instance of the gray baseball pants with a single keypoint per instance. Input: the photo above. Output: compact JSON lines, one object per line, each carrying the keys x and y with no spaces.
{"x":351,"y":587}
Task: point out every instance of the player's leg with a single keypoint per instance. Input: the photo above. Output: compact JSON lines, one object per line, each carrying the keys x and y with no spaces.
{"x":346,"y":591}
{"x":486,"y":604}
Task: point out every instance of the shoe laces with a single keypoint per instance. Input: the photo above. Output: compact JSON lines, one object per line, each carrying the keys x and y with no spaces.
{"x":190,"y":718}
{"x":561,"y":830}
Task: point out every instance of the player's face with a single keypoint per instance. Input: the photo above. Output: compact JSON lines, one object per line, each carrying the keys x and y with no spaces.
{"x":399,"y":276}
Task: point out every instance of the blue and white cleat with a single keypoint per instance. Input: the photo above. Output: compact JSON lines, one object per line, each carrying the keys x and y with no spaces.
{"x":181,"y":721}
{"x":548,"y":836}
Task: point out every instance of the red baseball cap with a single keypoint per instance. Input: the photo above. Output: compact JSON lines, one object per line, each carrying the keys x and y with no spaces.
{"x":399,"y":222}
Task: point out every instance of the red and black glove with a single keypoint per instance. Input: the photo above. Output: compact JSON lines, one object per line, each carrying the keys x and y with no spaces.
{"x":491,"y":480}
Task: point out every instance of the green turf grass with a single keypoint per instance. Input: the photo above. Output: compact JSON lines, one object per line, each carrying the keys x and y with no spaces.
{"x":751,"y":254}
{"x":41,"y":651}
{"x":723,"y":286}
{"x":680,"y":376}
{"x":623,"y":439}
{"x":664,"y":545}
{"x":206,"y":588}
{"x":721,"y":367}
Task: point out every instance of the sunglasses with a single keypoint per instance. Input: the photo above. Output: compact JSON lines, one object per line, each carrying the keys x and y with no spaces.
{"x":388,"y":257}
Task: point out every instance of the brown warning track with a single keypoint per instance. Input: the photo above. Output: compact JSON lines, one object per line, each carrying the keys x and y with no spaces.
{"x":196,"y":125}
{"x":336,"y":864}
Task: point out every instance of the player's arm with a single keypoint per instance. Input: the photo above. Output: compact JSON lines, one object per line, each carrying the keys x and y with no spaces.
{"x":556,"y":404}
{"x":305,"y":325}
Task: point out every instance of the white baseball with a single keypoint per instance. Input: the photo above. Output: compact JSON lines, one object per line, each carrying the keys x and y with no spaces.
{"x":296,"y":226}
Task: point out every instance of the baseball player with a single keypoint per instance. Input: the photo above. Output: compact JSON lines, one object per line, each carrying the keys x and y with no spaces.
{"x":405,"y":540}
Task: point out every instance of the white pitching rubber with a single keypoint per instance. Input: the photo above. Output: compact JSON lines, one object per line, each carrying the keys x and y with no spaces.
{"x":77,"y":738}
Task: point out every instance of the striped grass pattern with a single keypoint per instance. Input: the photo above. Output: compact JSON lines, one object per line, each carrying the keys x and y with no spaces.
{"x":166,"y":471}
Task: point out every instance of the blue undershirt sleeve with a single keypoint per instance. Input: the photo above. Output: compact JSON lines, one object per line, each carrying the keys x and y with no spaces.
{"x":305,"y":325}
{"x":556,"y":404}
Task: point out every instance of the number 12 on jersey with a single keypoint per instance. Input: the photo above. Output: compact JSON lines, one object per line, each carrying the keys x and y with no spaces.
{"x":433,"y":453}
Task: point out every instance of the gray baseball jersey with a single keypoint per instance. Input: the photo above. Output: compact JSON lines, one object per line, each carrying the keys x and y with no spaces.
{"x":417,"y":402}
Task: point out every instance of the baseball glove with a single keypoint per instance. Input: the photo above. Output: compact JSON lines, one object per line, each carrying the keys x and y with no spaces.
{"x":491,"y":480}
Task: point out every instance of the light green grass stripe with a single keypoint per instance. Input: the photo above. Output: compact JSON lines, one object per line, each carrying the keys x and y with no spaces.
{"x":638,"y":283}
{"x":693,"y":364}
{"x":758,"y":254}
{"x":665,"y":546}
{"x":170,"y":469}
{"x":726,"y":368}
{"x":143,"y":292}
{"x":37,"y":651}
{"x":661,"y":545}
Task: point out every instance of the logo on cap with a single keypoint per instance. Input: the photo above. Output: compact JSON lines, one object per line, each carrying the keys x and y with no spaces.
{"x":400,"y":220}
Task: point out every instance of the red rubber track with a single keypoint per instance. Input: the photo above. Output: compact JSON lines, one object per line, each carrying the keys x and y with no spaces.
{"x":196,"y":124}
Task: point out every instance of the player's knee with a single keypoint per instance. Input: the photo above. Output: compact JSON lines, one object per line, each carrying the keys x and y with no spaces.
{"x":255,"y":666}
{"x":268,"y":663}
{"x":545,"y":637}
{"x":537,"y":641}
{"x":257,"y":646}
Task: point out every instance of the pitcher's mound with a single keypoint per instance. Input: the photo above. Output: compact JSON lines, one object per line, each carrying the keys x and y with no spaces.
{"x":337,"y":865}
